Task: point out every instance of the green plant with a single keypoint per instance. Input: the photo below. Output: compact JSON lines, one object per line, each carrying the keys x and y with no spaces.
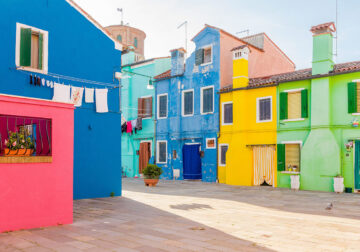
{"x":152,"y":171}
{"x":18,"y":141}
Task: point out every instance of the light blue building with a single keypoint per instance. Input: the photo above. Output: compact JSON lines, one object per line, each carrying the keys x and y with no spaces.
{"x":72,"y":48}
{"x":138,"y":100}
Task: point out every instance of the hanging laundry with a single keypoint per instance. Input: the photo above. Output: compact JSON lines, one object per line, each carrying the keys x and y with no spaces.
{"x":48,"y":83}
{"x":123,"y":120}
{"x":61,"y":93}
{"x":89,"y":95}
{"x":77,"y":96}
{"x":101,"y":100}
{"x":38,"y":82}
{"x":128,"y":127}
{"x":31,"y":79}
{"x":43,"y":81}
{"x":133,"y":125}
{"x":52,"y":84}
{"x":123,"y":127}
{"x":139,"y":123}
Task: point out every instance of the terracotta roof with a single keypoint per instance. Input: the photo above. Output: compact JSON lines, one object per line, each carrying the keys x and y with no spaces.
{"x":239,"y":47}
{"x":329,"y":25}
{"x":178,"y":49}
{"x":163,"y":75}
{"x":297,"y":75}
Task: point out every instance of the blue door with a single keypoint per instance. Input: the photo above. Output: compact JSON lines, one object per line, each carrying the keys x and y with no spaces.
{"x":192,"y":161}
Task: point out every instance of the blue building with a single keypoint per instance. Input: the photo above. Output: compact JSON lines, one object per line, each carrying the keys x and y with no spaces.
{"x":57,"y":41}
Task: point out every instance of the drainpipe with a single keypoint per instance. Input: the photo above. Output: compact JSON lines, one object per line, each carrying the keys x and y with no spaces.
{"x":155,"y":123}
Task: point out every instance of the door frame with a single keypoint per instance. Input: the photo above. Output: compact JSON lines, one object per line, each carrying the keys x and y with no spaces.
{"x":354,"y":164}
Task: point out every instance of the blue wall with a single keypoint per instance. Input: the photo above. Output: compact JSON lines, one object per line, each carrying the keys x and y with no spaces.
{"x":178,"y":130}
{"x":78,"y":49}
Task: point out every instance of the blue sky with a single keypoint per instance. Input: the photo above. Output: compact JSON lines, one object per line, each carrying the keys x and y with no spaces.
{"x":287,"y":22}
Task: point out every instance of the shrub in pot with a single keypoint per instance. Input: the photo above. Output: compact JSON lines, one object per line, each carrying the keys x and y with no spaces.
{"x":151,"y":174}
{"x":18,"y":145}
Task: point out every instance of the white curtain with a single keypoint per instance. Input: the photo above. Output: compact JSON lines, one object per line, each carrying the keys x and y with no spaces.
{"x":263,"y":164}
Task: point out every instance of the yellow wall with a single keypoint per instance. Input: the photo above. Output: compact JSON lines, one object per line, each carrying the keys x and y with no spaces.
{"x":240,"y":73}
{"x":245,"y":131}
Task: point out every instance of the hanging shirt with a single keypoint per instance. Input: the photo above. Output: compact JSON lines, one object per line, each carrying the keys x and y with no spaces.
{"x":139,"y":123}
{"x":128,"y":127}
{"x":89,"y":95}
{"x":101,"y":100}
{"x":77,"y":95}
{"x":123,"y":120}
{"x":61,"y":93}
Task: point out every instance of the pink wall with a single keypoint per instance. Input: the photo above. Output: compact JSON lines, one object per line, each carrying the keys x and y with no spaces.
{"x":39,"y":194}
{"x":270,"y":61}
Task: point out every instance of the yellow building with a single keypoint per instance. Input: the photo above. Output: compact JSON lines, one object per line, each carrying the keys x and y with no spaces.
{"x":247,"y":138}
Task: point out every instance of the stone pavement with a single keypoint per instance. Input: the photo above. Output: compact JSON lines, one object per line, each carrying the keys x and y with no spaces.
{"x":195,"y":216}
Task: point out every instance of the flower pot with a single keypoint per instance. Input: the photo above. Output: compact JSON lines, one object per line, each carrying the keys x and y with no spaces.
{"x":151,"y":182}
{"x":18,"y":153}
{"x":295,"y":182}
{"x":338,"y":184}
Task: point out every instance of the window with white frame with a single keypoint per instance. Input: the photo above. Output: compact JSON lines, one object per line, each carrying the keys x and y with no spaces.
{"x":145,"y":107}
{"x":161,"y":152}
{"x":263,"y":109}
{"x":207,"y":55}
{"x":162,"y":106}
{"x":203,"y":55}
{"x":207,"y":100}
{"x":222,"y":154}
{"x":31,"y":48}
{"x":188,"y":102}
{"x":227,"y":113}
{"x":210,"y":143}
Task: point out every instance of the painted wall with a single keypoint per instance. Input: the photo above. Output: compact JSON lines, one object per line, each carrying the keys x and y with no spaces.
{"x":34,"y":195}
{"x":134,"y":88}
{"x":79,"y":49}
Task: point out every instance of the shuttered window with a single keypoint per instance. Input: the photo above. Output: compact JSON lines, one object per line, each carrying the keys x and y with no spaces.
{"x":188,"y":102}
{"x":227,"y":113}
{"x":294,"y":105}
{"x":161,"y":151}
{"x":264,"y":109}
{"x":145,"y":107}
{"x":207,"y":100}
{"x":203,"y":55}
{"x":207,"y":55}
{"x":31,"y":48}
{"x":352,"y":97}
{"x":223,"y":150}
{"x":162,"y":106}
{"x":292,"y":157}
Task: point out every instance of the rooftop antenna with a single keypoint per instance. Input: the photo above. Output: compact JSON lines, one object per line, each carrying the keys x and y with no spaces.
{"x":122,"y":15}
{"x":336,"y":32}
{"x":247,"y":32}
{"x":184,"y":24}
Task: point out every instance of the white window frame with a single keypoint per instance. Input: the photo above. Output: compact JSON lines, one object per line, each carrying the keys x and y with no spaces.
{"x":45,"y":49}
{"x":212,"y":54}
{"x":223,"y":113}
{"x":206,"y":143}
{"x":292,"y":142}
{"x":219,"y":156}
{"x":201,"y":99}
{"x":158,"y":151}
{"x":258,"y":109}
{"x":152,"y":112}
{"x":158,"y":106}
{"x":183,"y":102}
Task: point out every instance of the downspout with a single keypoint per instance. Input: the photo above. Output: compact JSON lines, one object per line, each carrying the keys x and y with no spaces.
{"x":155,"y":122}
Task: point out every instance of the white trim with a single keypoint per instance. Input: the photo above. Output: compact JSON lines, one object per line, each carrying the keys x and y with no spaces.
{"x":357,"y":80}
{"x":258,"y":99}
{"x":219,"y":156}
{"x":212,"y":54}
{"x":146,"y":141}
{"x":158,"y":151}
{"x":293,"y":120}
{"x":223,"y":114}
{"x":206,"y":142}
{"x":147,"y":96}
{"x":201,"y":99}
{"x":158,"y":106}
{"x":293,"y":90}
{"x":45,"y":49}
{"x":355,"y":114}
{"x":183,"y":103}
{"x":196,"y":143}
{"x":293,"y":142}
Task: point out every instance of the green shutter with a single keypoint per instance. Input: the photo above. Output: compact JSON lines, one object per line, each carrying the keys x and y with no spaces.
{"x":281,"y":157}
{"x":41,"y":42}
{"x":199,"y":57}
{"x":25,"y":47}
{"x":304,"y":103}
{"x":352,"y":99}
{"x":283,"y":106}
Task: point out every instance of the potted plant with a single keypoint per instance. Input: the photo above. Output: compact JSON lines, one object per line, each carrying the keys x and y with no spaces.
{"x":151,"y":174}
{"x":338,"y":184}
{"x":18,"y":145}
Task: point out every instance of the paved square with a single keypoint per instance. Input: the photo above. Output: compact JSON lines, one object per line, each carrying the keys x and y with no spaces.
{"x":195,"y":216}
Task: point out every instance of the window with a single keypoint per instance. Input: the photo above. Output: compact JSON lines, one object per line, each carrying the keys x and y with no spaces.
{"x":188,"y":102}
{"x":222,"y":154}
{"x":145,"y":107}
{"x":289,"y":157}
{"x":210,"y":143}
{"x":263,"y":109}
{"x":203,"y":56}
{"x":207,"y":100}
{"x":119,"y":38}
{"x":294,"y":104}
{"x":31,"y":48}
{"x":136,"y":42}
{"x":354,"y":97}
{"x":161,"y":152}
{"x":227,"y":113}
{"x":162,"y":106}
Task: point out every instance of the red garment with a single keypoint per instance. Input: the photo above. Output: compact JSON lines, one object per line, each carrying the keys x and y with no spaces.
{"x":128,"y":127}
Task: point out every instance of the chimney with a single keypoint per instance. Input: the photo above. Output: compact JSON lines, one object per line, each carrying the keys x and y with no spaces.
{"x":177,"y":61}
{"x":129,"y":57}
{"x":240,"y":66}
{"x":322,"y":62}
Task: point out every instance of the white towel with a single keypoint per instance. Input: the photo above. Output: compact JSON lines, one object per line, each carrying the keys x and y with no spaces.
{"x":101,"y":100}
{"x":43,"y":81}
{"x":89,"y":95}
{"x":77,"y":96}
{"x":123,"y":120}
{"x":61,"y":93}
